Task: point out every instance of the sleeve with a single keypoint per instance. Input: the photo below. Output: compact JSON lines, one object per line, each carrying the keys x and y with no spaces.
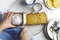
{"x":11,"y":33}
{"x":0,"y":16}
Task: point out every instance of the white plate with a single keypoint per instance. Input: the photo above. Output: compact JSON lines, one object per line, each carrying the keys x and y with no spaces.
{"x":47,"y":6}
{"x":49,"y":26}
{"x":18,"y":7}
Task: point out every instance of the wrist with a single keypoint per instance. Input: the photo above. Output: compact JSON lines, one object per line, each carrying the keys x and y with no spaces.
{"x":2,"y":27}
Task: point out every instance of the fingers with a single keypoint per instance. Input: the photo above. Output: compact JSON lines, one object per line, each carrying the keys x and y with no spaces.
{"x":4,"y":15}
{"x":9,"y":17}
{"x":24,"y":34}
{"x":23,"y":31}
{"x":10,"y":14}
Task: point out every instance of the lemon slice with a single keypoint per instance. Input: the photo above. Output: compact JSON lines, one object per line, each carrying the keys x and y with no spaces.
{"x":49,"y":4}
{"x":56,"y":3}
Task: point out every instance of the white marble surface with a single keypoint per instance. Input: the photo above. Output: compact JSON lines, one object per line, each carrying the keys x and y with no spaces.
{"x":5,"y":4}
{"x":51,"y":14}
{"x":37,"y":29}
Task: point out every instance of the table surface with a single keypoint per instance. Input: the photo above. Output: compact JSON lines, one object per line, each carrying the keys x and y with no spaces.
{"x":51,"y":14}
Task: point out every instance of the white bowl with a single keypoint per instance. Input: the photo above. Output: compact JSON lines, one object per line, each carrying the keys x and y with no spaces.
{"x":17,"y":19}
{"x":49,"y":32}
{"x":47,"y":6}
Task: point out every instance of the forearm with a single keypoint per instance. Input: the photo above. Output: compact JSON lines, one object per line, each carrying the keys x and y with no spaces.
{"x":2,"y":27}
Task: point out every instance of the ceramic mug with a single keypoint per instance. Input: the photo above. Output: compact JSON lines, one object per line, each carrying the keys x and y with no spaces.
{"x":29,"y":3}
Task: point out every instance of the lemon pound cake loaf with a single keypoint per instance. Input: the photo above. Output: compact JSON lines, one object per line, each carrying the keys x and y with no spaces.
{"x":36,"y":18}
{"x":43,"y":18}
{"x":30,"y":18}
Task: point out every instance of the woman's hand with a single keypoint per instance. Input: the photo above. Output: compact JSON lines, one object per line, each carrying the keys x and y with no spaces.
{"x":25,"y":34}
{"x":6,"y":23}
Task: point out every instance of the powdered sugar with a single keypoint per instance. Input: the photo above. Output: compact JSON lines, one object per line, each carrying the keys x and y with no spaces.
{"x":17,"y":19}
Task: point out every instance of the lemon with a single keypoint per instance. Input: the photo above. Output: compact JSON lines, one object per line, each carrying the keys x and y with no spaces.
{"x":56,"y":3}
{"x":50,"y":3}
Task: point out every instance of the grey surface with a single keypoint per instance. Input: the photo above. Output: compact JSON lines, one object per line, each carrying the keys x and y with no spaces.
{"x":19,"y":6}
{"x":36,"y":30}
